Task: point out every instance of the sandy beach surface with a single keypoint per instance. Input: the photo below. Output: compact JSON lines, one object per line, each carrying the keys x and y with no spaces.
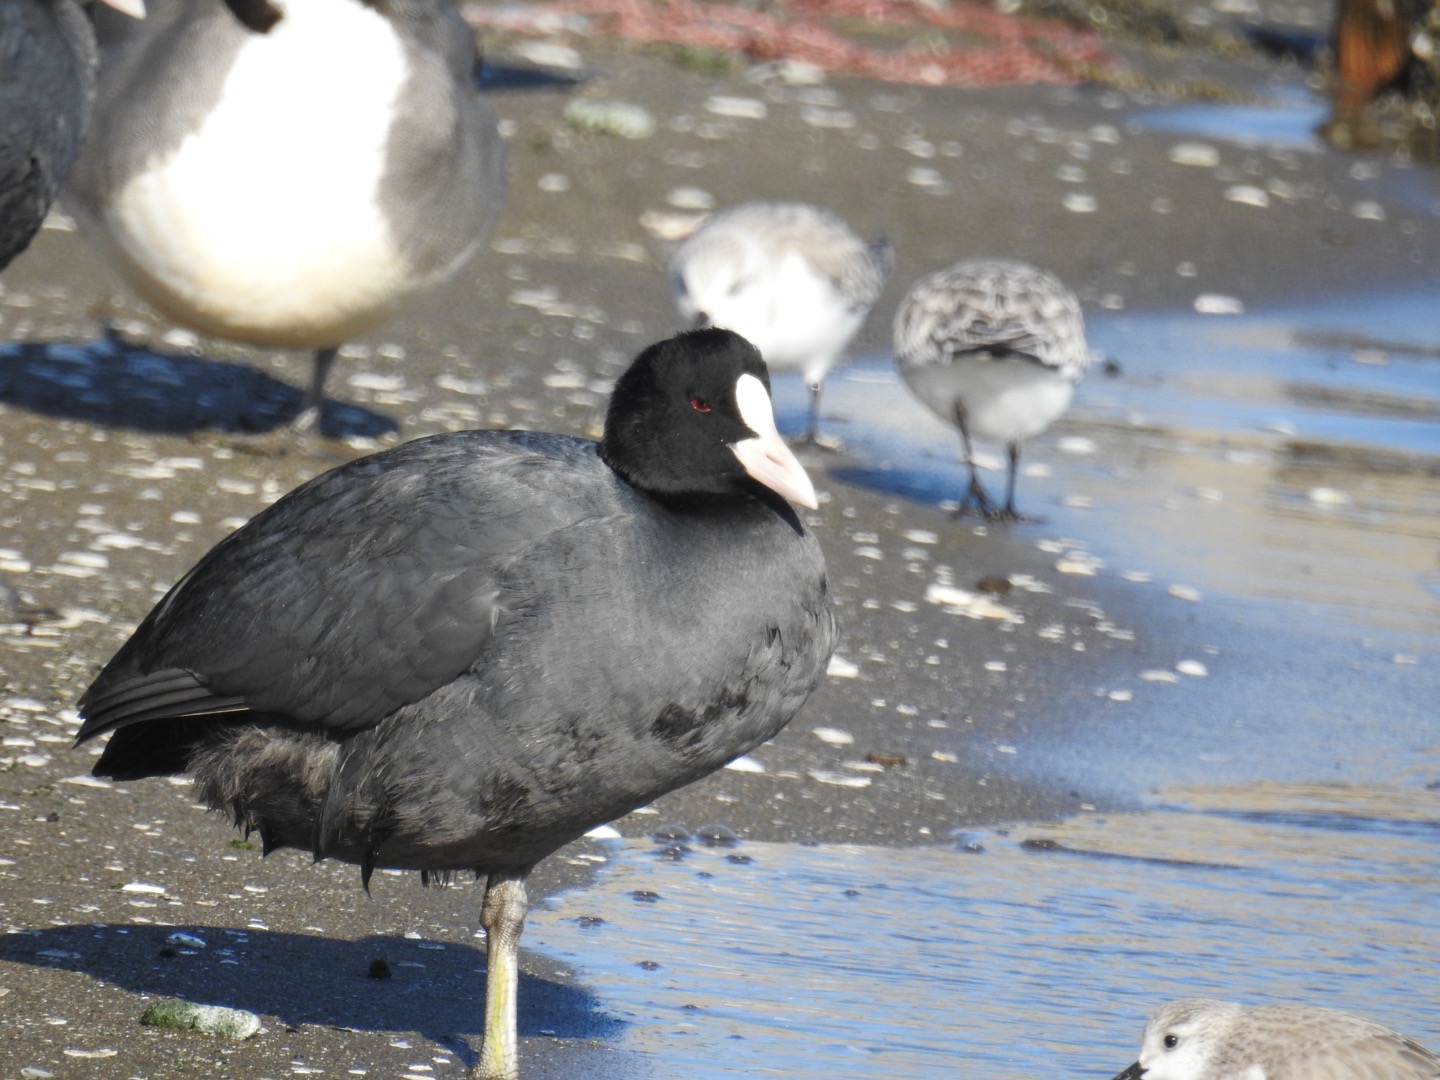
{"x":1231,"y":584}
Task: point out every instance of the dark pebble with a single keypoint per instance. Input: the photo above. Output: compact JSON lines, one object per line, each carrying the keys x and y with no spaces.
{"x":1036,"y":843}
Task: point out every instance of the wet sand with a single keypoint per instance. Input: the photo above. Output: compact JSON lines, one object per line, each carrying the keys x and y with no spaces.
{"x":117,"y":472}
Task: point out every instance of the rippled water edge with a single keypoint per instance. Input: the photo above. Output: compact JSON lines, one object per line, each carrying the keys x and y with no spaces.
{"x":1024,"y":951}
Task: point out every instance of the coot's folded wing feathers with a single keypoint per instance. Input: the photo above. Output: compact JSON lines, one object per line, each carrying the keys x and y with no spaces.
{"x":129,"y":699}
{"x":346,"y":599}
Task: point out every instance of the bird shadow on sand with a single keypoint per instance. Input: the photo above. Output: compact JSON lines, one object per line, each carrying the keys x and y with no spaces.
{"x":432,"y":989}
{"x":929,"y":487}
{"x":116,"y":384}
{"x":502,"y":78}
{"x":942,"y":487}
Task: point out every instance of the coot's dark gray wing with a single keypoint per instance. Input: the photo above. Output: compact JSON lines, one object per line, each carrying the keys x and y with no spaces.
{"x":360,"y":592}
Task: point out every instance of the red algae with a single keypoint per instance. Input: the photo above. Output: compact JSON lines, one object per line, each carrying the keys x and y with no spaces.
{"x":963,"y":44}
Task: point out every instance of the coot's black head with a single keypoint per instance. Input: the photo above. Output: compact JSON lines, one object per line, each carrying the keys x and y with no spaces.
{"x":692,"y":416}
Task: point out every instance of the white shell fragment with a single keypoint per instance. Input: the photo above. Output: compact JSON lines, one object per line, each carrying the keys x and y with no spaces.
{"x":958,"y":601}
{"x":690,"y":198}
{"x":1218,"y":304}
{"x":664,"y":225}
{"x":1076,"y":444}
{"x":819,"y":117}
{"x":833,"y":736}
{"x":743,"y":107}
{"x":1159,"y":675}
{"x":1247,"y":194}
{"x":1328,"y":496}
{"x":84,"y":780}
{"x":745,"y":763}
{"x":1200,"y":155}
{"x":838,"y":779}
{"x":91,"y":560}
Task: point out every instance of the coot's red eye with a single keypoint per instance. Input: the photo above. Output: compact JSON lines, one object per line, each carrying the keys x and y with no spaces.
{"x":699,"y":404}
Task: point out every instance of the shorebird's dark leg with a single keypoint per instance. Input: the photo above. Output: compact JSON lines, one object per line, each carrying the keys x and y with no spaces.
{"x":812,"y":426}
{"x":1010,"y":513}
{"x":976,"y":493}
{"x":307,"y":420}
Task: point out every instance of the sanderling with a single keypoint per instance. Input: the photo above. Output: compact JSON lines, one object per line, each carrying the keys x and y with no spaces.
{"x":996,"y":348}
{"x":1200,"y":1039}
{"x":793,"y":278}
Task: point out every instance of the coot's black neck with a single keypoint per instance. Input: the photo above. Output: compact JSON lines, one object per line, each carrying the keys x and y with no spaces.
{"x":744,"y":493}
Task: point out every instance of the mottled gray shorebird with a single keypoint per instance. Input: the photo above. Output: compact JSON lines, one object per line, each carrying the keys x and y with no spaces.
{"x":462,"y":653}
{"x":288,"y":172}
{"x":792,"y":278}
{"x":1201,"y":1039}
{"x":995,"y":347}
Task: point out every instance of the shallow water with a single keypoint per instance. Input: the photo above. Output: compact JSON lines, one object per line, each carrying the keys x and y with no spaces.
{"x":1282,"y":462}
{"x":1280,"y":465}
{"x":1307,"y":866}
{"x":1287,"y":117}
{"x":1278,"y":468}
{"x":1019,"y":960}
{"x":1287,"y":454}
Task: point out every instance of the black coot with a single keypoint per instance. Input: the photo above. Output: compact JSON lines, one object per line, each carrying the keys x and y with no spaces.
{"x":462,"y":653}
{"x":48,"y":62}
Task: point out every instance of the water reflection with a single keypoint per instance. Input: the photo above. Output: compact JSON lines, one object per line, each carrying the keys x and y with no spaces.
{"x":1039,"y":956}
{"x":1239,"y":454}
{"x":1287,"y":118}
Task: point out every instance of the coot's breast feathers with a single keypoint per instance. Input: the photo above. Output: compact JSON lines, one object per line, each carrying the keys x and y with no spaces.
{"x":395,"y":598}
